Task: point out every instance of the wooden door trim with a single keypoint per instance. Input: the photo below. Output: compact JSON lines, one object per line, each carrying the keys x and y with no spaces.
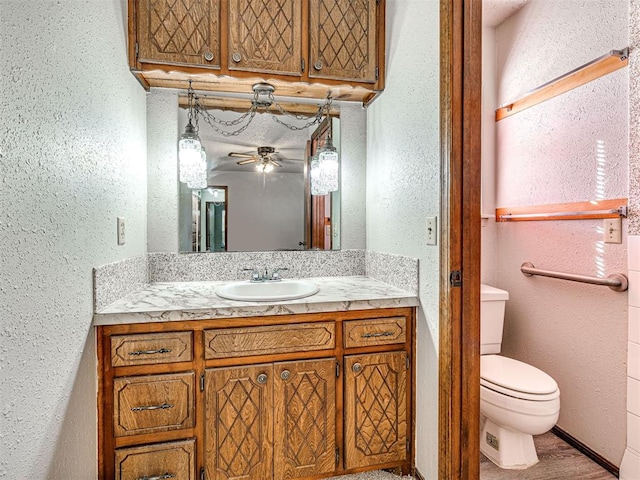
{"x":459,"y":358}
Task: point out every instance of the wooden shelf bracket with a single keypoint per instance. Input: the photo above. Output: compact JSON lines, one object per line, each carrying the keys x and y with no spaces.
{"x":608,"y":63}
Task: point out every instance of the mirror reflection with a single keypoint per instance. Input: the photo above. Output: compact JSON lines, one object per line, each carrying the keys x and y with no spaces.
{"x":258,"y":195}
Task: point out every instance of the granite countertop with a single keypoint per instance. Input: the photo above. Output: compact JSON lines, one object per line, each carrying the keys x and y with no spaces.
{"x":175,"y":301}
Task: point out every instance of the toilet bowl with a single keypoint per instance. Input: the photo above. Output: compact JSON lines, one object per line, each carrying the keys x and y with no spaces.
{"x":517,"y":400}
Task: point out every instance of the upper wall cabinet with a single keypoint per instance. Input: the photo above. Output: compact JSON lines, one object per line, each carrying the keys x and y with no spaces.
{"x":305,"y":48}
{"x":177,"y":32}
{"x":342,"y":39}
{"x":265,"y":36}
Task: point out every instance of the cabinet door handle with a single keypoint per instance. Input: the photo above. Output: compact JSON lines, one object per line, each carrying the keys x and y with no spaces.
{"x":378,"y":334}
{"x":164,"y":406}
{"x":208,"y":56}
{"x":285,"y":375}
{"x":318,"y":65}
{"x":150,"y":352}
{"x":158,"y":477}
{"x":262,"y":378}
{"x":356,"y":367}
{"x":236,"y":57}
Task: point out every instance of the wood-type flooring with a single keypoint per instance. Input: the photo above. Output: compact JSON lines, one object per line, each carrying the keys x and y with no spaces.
{"x":558,"y":461}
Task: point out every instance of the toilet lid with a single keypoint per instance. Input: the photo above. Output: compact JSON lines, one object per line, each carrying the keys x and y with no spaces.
{"x":514,"y":376}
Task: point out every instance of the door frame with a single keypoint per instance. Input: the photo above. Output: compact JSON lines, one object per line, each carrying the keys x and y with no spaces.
{"x":460,"y":139}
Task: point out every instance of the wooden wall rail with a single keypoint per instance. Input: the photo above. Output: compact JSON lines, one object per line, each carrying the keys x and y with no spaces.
{"x":616,"y":207}
{"x":599,"y":67}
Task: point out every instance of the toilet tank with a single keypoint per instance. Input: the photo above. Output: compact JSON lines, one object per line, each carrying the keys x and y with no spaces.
{"x":492,"y":302}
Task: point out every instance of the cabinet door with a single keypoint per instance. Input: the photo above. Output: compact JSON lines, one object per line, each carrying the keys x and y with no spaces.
{"x":185,"y":31}
{"x":265,"y":36}
{"x":304,"y":433}
{"x":342,"y":39}
{"x":375,"y":409}
{"x":239,"y":422}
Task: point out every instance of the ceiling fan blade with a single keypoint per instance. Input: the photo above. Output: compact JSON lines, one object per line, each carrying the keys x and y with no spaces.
{"x":275,"y":163}
{"x":241,"y":155}
{"x":245,"y":162}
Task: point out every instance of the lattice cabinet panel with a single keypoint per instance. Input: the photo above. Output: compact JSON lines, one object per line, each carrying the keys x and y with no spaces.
{"x":179,"y":31}
{"x":343,"y":39}
{"x":265,"y":36}
{"x":375,"y":408}
{"x":239,"y":422}
{"x":304,"y":432}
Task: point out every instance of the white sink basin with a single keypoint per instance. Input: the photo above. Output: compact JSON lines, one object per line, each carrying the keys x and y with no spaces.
{"x":267,"y":291}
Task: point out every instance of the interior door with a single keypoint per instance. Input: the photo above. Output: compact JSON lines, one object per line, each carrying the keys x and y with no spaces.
{"x":460,"y":132}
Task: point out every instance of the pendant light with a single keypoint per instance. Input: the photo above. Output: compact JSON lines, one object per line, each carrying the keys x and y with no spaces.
{"x":324,"y":169}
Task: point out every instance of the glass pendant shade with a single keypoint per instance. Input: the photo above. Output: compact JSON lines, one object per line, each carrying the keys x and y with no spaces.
{"x":189,"y":153}
{"x":324,"y":170}
{"x":198,"y":178}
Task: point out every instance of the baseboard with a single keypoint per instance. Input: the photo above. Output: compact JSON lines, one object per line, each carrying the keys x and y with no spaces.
{"x":418,"y":475}
{"x":586,"y":451}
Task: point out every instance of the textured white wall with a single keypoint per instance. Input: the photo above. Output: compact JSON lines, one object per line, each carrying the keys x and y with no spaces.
{"x":403,"y":181}
{"x":162,"y":175}
{"x":353,"y":166}
{"x":630,"y":467}
{"x":634,"y":119}
{"x":569,"y":149}
{"x":489,"y":256}
{"x":72,"y":148}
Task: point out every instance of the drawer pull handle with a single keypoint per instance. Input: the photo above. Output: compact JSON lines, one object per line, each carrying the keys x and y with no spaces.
{"x":378,"y":334}
{"x":150,"y":352}
{"x":158,"y":477}
{"x":262,"y":378}
{"x":164,"y":406}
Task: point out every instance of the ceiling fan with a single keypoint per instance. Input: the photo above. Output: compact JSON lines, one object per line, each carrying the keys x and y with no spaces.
{"x":264,"y":159}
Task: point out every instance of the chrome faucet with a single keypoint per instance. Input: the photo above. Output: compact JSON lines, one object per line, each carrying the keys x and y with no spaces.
{"x":255,"y":274}
{"x":275,"y":275}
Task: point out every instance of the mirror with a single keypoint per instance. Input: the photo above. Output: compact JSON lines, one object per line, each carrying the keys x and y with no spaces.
{"x":258,"y":197}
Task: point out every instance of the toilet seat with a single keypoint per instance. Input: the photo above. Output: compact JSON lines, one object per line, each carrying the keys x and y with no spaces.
{"x":516,"y":379}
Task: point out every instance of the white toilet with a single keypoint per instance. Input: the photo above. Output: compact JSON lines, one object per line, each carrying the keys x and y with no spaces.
{"x":516,"y":399}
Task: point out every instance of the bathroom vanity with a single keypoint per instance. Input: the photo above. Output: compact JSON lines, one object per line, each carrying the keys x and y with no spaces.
{"x":256,"y":390}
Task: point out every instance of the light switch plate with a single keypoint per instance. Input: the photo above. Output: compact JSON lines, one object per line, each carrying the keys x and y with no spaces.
{"x":613,"y":230}
{"x":432,"y":230}
{"x":120,"y":230}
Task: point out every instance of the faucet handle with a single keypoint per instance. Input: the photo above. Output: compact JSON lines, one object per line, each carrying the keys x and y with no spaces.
{"x":275,"y":275}
{"x":255,"y":275}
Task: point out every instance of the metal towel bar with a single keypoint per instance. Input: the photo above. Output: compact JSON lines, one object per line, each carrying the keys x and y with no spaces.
{"x":616,"y":281}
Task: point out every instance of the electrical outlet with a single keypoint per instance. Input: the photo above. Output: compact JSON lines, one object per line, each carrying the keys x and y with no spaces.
{"x":613,"y":230}
{"x":432,"y":230}
{"x":120,"y":230}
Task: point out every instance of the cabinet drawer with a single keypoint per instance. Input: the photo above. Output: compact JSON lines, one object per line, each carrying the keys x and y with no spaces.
{"x":150,"y":349}
{"x":175,"y":460}
{"x":153,"y":403}
{"x":243,"y":342}
{"x":376,"y":331}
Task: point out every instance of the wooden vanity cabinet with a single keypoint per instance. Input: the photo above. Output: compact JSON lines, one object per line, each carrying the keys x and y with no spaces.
{"x":289,"y":396}
{"x":338,"y":43}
